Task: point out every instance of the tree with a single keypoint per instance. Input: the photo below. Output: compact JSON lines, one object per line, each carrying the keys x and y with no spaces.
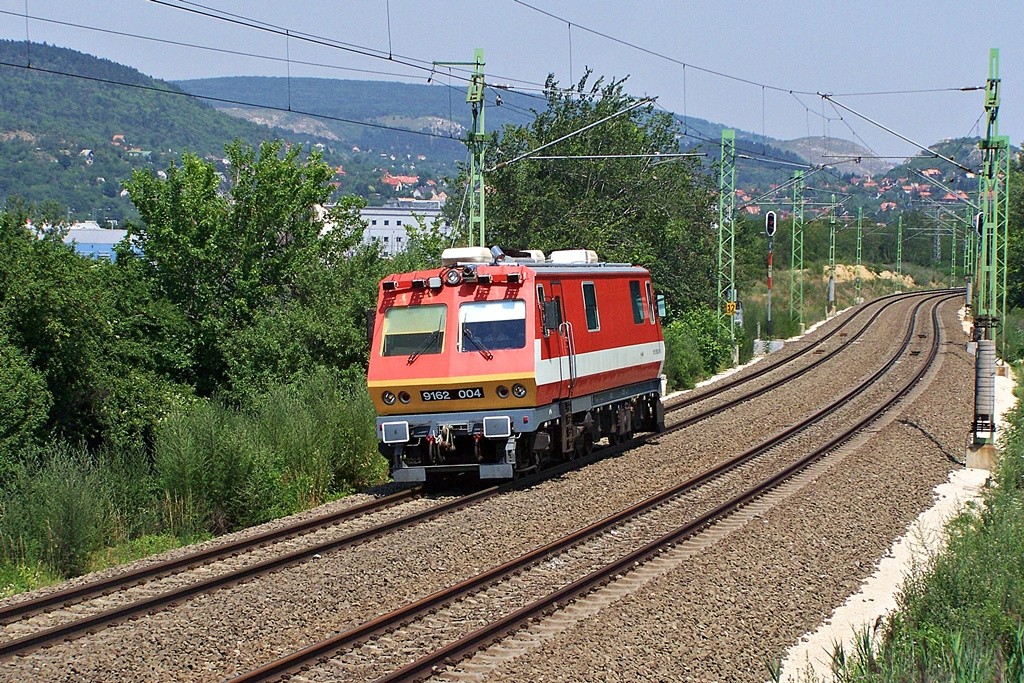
{"x":225,"y":258}
{"x":1015,"y":244}
{"x":657,"y":213}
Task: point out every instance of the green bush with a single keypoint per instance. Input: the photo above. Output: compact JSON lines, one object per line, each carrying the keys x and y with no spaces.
{"x":696,"y":346}
{"x":24,"y":406}
{"x":683,"y":362}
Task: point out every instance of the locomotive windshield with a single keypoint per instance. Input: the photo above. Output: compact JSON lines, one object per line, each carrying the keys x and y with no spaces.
{"x":414,"y":330}
{"x":486,"y":326}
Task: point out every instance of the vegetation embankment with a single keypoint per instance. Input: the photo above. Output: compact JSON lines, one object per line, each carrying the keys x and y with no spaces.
{"x":961,"y":616}
{"x":211,"y":377}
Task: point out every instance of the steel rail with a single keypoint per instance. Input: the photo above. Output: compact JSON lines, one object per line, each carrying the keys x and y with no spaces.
{"x":385,"y":623}
{"x":67,"y":596}
{"x":890,"y":299}
{"x":512,"y":623}
{"x":119,"y":614}
{"x":782,"y":380}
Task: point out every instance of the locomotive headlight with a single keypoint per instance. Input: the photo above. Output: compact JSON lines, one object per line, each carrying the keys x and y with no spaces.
{"x":388,"y":398}
{"x":502,"y":391}
{"x":452,"y":277}
{"x":518,"y":390}
{"x":404,"y":397}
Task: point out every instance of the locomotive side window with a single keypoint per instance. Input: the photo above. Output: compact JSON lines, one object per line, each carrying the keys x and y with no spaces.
{"x":486,"y":326}
{"x":638,"y":301}
{"x":650,"y":301}
{"x":590,"y":304}
{"x":414,"y":330}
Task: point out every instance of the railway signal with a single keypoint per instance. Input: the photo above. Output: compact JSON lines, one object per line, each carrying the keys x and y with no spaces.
{"x":770,"y":227}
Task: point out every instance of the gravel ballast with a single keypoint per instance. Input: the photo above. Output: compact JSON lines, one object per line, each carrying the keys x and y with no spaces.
{"x":230,"y":631}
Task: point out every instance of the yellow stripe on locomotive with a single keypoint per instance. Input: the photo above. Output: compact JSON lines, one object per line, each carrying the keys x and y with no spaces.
{"x":448,"y":394}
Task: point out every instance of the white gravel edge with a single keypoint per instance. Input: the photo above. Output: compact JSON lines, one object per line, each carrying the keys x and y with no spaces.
{"x":877,"y":597}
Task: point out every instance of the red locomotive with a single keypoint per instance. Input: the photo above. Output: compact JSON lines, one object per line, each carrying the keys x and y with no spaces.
{"x":495,"y":363}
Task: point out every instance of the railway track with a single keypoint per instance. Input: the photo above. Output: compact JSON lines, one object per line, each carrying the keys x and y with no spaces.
{"x":505,"y":590}
{"x":99,"y":618}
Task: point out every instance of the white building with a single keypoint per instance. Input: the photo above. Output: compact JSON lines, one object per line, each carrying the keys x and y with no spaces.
{"x":89,"y":239}
{"x":387,"y":224}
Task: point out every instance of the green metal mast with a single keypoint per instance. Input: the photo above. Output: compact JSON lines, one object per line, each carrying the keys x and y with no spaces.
{"x":475,"y":98}
{"x":899,"y":255}
{"x":952,"y":257}
{"x":831,"y":296}
{"x":796,"y":253}
{"x":969,"y":243}
{"x":476,"y":141}
{"x":727,"y":233}
{"x":993,"y":148}
{"x":1003,"y":233}
{"x":860,"y":231}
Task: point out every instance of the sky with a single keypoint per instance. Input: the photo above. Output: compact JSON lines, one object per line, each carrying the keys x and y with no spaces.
{"x":754,"y":66}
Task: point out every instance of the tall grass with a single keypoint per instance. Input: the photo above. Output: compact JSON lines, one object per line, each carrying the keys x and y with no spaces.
{"x":214,"y":468}
{"x":298,"y":446}
{"x":54,"y":512}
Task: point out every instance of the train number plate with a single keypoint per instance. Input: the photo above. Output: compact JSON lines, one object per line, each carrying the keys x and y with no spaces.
{"x":452,"y":394}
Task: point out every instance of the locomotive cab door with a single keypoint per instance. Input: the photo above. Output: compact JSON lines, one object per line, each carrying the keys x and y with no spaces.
{"x":560,"y":343}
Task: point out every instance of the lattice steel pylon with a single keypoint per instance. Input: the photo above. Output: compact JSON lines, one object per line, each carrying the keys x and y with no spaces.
{"x":991,"y":283}
{"x":476,"y":140}
{"x":727,"y":233}
{"x":860,"y":244}
{"x":899,"y":255}
{"x":796,"y":253}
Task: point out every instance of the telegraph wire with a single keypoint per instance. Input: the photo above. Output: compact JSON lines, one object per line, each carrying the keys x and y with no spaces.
{"x":360,"y":50}
{"x":196,"y":46}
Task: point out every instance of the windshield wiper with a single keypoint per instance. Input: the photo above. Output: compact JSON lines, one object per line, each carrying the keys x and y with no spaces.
{"x":427,"y":343}
{"x":484,"y":351}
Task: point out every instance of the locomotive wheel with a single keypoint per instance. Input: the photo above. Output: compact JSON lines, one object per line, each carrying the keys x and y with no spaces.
{"x":584,"y":445}
{"x":527,"y":459}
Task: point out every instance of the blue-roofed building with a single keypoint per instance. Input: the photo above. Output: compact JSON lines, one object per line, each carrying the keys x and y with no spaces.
{"x":89,"y":239}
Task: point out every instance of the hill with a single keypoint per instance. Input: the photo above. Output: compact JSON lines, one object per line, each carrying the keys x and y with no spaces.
{"x":75,"y":138}
{"x":435,"y":108}
{"x":820,"y":150}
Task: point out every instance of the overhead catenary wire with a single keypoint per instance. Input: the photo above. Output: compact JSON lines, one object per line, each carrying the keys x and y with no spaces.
{"x":422,"y":65}
{"x":653,"y":53}
{"x":826,"y":96}
{"x":574,"y":133}
{"x":208,"y":48}
{"x":656,"y":155}
{"x":943,"y":187}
